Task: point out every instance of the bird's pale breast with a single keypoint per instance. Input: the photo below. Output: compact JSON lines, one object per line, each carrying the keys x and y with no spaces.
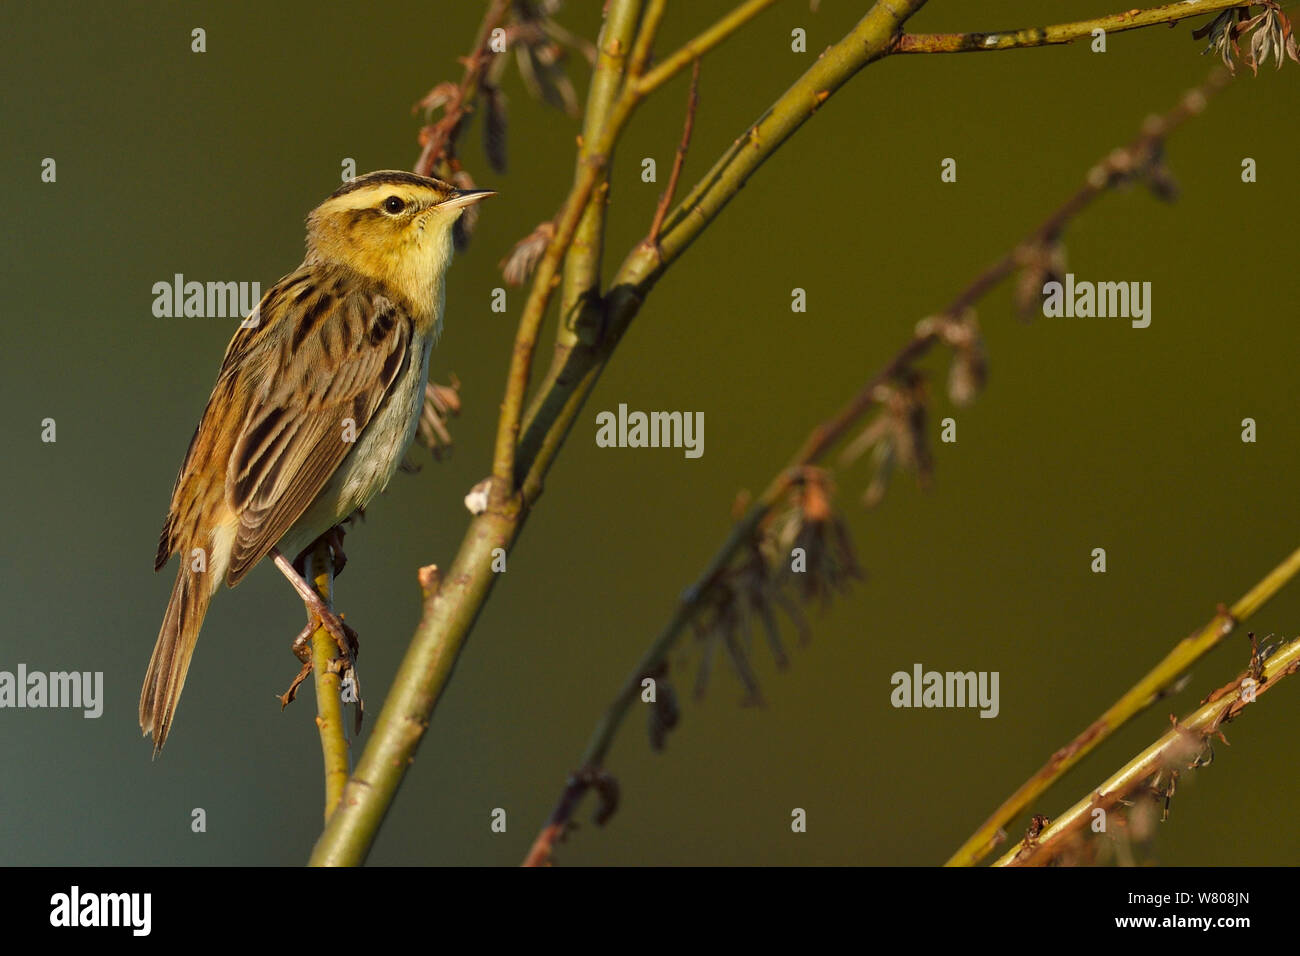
{"x":370,"y":465}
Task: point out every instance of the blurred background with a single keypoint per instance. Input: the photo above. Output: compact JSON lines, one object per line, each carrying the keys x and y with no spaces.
{"x":1090,"y":434}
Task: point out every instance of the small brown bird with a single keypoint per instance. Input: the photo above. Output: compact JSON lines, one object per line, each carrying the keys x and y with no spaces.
{"x":317,"y":400}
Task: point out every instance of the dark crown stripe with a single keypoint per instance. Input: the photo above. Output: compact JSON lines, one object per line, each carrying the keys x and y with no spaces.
{"x":388,"y":178}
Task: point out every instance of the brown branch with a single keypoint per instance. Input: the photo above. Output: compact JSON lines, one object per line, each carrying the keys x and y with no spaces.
{"x":1059,"y":33}
{"x":1169,"y":754}
{"x":1145,"y":692}
{"x":582,"y":781}
{"x":692,"y":101}
{"x":439,"y":138}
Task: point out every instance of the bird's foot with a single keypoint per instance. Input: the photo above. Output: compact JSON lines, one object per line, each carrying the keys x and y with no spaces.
{"x":302,"y":650}
{"x":345,"y":665}
{"x":302,"y":643}
{"x":344,"y":636}
{"x":319,"y":615}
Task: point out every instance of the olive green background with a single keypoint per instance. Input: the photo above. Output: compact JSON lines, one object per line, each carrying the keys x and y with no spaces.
{"x":1090,"y":434}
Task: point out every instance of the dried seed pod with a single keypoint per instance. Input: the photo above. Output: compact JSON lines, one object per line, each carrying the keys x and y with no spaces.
{"x":607,"y":790}
{"x":440,"y":403}
{"x":495,"y":128}
{"x":1222,"y":31}
{"x":438,"y":97}
{"x":463,"y":230}
{"x":663,"y":715}
{"x":884,"y":459}
{"x":968,"y":373}
{"x":1041,"y":263}
{"x":527,"y":252}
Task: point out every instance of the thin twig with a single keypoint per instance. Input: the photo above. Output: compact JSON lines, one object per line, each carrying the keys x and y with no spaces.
{"x":1171,"y":752}
{"x":438,"y":137}
{"x":580,"y":301}
{"x":645,"y":38}
{"x":697,"y":46}
{"x":1059,"y":33}
{"x":692,"y":101}
{"x":539,"y":854}
{"x":1141,"y":695}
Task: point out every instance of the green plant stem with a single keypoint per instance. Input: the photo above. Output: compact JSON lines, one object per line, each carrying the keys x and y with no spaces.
{"x":329,"y":705}
{"x":1171,"y":752}
{"x":450,"y":611}
{"x":645,"y":38}
{"x":695,"y":48}
{"x":1140,"y":696}
{"x":580,"y":303}
{"x":1059,"y":33}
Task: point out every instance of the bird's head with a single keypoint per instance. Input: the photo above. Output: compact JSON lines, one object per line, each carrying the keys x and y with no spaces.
{"x":393,"y":226}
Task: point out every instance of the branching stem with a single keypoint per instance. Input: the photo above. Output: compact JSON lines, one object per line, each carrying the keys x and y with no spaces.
{"x":1170,"y":13}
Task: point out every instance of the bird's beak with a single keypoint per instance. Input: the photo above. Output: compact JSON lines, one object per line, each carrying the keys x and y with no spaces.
{"x":465,"y":197}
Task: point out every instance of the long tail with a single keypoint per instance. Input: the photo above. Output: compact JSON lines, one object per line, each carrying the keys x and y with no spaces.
{"x":172,"y":653}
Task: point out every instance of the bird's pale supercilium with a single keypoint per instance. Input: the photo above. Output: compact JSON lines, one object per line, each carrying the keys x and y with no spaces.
{"x":317,"y":400}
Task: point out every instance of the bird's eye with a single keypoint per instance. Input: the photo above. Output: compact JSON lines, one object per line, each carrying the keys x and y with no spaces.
{"x":393,"y":205}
